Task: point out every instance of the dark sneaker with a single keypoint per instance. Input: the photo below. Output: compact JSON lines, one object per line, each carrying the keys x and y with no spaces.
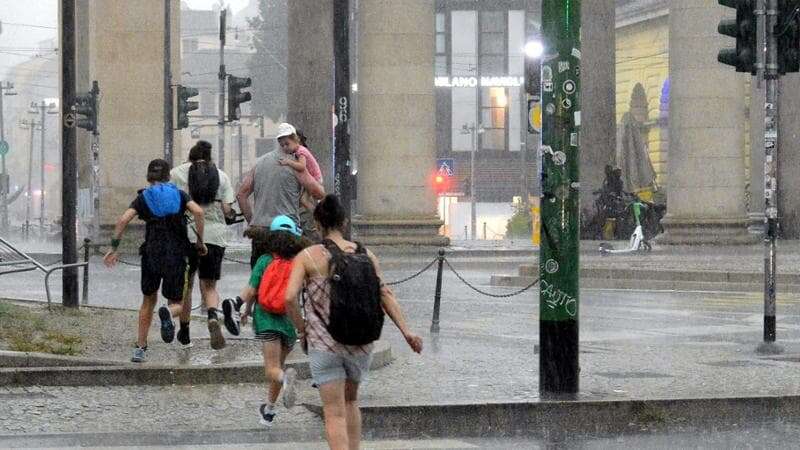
{"x":267,"y":417}
{"x":167,"y":327}
{"x":289,"y":394}
{"x":139,"y":355}
{"x":215,"y":330}
{"x":232,"y":317}
{"x":183,"y":337}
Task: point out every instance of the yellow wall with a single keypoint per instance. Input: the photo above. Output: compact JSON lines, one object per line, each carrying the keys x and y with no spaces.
{"x":642,"y":57}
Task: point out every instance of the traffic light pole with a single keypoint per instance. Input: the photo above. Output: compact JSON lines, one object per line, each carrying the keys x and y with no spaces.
{"x":3,"y":174}
{"x":221,"y":123}
{"x":559,"y":256}
{"x":771,"y":75}
{"x":42,"y":108}
{"x":342,"y":181}
{"x":69,"y":179}
{"x":168,"y":136}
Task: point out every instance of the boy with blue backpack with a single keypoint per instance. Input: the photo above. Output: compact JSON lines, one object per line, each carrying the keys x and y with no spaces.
{"x":164,"y":251}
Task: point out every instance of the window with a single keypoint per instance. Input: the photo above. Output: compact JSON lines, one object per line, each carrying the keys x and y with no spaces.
{"x":463,"y":42}
{"x":494,"y":104}
{"x":441,"y":46}
{"x":493,"y":43}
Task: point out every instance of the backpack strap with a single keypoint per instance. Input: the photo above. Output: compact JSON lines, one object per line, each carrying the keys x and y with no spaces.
{"x":332,"y":248}
{"x":360,"y":248}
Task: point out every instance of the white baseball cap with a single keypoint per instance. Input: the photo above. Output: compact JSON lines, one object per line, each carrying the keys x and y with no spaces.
{"x":286,"y":129}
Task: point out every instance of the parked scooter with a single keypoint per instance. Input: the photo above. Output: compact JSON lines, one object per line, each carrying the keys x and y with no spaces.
{"x":637,"y":242}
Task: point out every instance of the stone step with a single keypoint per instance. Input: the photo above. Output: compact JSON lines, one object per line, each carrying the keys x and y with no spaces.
{"x":630,"y":283}
{"x":618,"y":273}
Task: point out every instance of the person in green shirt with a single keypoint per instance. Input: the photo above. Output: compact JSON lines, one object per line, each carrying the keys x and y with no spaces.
{"x":277,"y":333}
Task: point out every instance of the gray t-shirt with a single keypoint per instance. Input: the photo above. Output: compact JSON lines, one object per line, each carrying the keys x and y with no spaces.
{"x":276,"y":190}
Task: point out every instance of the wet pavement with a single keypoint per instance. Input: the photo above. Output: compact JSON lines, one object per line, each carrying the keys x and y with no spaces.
{"x":634,"y":344}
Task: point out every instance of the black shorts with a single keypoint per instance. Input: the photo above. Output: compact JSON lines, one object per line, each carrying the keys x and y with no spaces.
{"x":167,"y":272}
{"x":208,"y":267}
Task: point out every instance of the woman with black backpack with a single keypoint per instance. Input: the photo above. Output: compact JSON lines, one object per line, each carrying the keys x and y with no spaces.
{"x":344,"y":304}
{"x":211,"y":188}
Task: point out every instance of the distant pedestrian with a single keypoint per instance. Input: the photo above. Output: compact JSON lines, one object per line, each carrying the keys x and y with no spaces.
{"x":265,"y":303}
{"x":162,"y":207}
{"x":211,"y":188}
{"x":331,"y":304}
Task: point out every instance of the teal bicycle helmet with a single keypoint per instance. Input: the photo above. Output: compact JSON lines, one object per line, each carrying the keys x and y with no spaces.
{"x":285,"y":223}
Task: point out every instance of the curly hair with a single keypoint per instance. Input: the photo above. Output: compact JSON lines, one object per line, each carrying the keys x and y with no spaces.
{"x":280,"y":243}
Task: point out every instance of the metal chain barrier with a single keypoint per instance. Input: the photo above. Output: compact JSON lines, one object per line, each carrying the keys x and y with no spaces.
{"x":395,"y":283}
{"x":237,"y":261}
{"x":488,"y":294}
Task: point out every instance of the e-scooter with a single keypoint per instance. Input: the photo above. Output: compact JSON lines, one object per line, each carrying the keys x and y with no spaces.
{"x":637,"y":242}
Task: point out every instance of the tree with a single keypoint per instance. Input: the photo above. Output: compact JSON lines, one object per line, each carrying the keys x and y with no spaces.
{"x":268,"y":63}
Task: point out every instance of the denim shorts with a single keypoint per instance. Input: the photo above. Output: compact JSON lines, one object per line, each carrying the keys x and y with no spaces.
{"x":328,"y":367}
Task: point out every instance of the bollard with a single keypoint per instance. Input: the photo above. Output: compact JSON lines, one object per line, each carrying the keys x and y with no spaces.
{"x":87,"y":246}
{"x":437,"y":298}
{"x":466,"y":233}
{"x":484,"y":231}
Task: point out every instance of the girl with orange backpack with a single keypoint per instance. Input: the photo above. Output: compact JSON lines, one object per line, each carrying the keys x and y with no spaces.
{"x":264,"y":300}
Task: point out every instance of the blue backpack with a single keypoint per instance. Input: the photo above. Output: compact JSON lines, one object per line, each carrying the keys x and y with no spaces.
{"x":163,"y":199}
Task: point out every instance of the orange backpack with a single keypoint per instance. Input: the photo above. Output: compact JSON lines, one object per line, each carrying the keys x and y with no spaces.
{"x":272,"y":288}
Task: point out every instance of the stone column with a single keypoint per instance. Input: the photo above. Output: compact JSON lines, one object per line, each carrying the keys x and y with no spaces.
{"x":128,"y":63}
{"x":705,"y":196}
{"x":310,"y":80}
{"x":788,"y":158}
{"x":397,"y":124}
{"x":598,"y":95}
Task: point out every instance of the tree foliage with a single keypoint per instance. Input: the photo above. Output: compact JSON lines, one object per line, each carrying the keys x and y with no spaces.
{"x":268,"y":63}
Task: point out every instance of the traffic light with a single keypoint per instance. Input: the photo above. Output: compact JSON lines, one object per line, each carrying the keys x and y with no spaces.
{"x":788,"y":36}
{"x":185,"y":106}
{"x":236,"y":97}
{"x":743,"y":29}
{"x":88,"y":106}
{"x":442,"y":183}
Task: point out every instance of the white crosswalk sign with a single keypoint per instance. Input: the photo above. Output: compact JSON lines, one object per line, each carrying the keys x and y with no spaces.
{"x":446,"y":166}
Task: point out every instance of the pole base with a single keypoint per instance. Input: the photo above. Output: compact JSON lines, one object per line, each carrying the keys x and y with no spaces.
{"x":769,"y":348}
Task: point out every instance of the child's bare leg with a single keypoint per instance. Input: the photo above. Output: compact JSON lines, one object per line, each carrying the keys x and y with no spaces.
{"x":145,"y":317}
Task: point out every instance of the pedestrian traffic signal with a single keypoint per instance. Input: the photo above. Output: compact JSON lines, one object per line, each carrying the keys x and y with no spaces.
{"x":88,"y":106}
{"x":236,"y":97}
{"x":788,"y":36}
{"x":442,"y":183}
{"x":743,"y":29}
{"x":185,"y":106}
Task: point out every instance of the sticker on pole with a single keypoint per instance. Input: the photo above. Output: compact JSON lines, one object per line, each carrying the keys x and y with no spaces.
{"x":535,"y":116}
{"x":69,"y":120}
{"x":3,"y":148}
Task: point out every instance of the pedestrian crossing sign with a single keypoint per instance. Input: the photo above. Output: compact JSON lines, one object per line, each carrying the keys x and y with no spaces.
{"x":445,"y":166}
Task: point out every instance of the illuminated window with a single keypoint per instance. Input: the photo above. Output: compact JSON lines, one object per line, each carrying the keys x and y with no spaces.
{"x":494,"y":107}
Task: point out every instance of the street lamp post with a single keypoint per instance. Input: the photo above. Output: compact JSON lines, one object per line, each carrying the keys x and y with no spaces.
{"x":559,"y":265}
{"x":472,"y":130}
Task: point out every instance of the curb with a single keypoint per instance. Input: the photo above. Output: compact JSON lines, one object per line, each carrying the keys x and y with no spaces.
{"x":121,"y":374}
{"x":668,"y":279}
{"x":550,"y":419}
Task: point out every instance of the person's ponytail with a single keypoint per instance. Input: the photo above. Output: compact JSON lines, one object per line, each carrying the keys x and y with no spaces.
{"x":203,"y":174}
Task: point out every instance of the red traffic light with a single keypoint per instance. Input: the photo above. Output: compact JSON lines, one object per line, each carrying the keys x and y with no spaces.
{"x":441,"y":183}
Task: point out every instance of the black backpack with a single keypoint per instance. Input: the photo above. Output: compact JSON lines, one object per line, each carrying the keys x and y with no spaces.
{"x":356,"y":314}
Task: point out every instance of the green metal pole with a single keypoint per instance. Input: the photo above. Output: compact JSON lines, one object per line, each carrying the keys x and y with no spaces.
{"x":559,"y":257}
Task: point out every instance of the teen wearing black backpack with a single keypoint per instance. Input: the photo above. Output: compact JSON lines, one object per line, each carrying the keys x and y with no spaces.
{"x":344,"y":301}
